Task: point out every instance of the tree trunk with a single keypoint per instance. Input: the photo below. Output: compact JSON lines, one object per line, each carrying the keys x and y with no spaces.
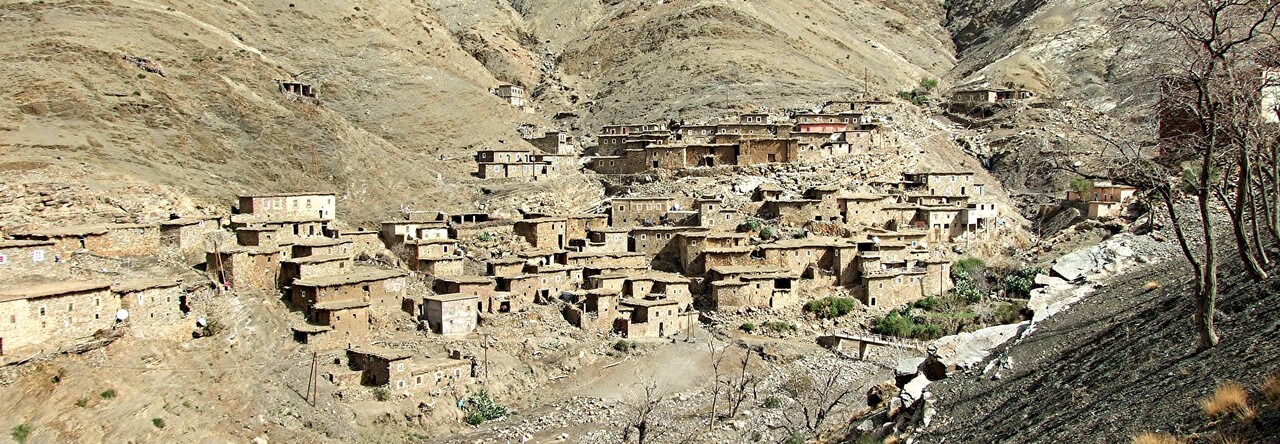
{"x":1256,"y":272}
{"x":1208,"y":292}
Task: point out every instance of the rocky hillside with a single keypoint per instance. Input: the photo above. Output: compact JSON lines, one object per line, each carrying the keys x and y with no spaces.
{"x":1117,"y":364}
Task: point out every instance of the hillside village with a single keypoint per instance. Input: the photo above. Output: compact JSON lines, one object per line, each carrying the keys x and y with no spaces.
{"x":632,"y":267}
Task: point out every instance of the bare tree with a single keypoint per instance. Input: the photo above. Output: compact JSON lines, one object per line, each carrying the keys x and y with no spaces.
{"x":739,"y":386}
{"x":1208,"y":41}
{"x":643,"y":411}
{"x":717,"y":358}
{"x":816,"y":400}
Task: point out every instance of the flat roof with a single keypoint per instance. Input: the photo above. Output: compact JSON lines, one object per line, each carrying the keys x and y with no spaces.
{"x":541,"y":220}
{"x":466,"y":279}
{"x":340,"y":305}
{"x":380,"y":352}
{"x":363,"y":276}
{"x":320,"y":242}
{"x":316,"y":259}
{"x":295,"y":194}
{"x":288,"y":218}
{"x":451,"y":297}
{"x":648,"y":302}
{"x":17,"y":243}
{"x":728,"y":250}
{"x":143,"y":284}
{"x":79,"y":230}
{"x":308,"y":328}
{"x":430,"y":241}
{"x":646,"y":198}
{"x":47,"y":289}
{"x":742,"y":269}
{"x":190,"y":220}
{"x":577,"y":255}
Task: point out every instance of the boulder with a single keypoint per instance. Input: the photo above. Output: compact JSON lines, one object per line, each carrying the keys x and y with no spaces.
{"x":1073,"y":266}
{"x":962,"y":351}
{"x":906,"y":370}
{"x":879,"y":393}
{"x":914,"y":390}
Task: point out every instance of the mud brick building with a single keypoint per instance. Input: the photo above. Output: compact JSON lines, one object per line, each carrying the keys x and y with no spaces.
{"x":1103,"y":200}
{"x":753,"y":287}
{"x":110,"y":240}
{"x":45,"y":317}
{"x":19,"y":258}
{"x":154,"y":305}
{"x":628,"y":212}
{"x":450,"y":314}
{"x":544,"y":232}
{"x":189,"y":236}
{"x":363,"y":243}
{"x":651,"y":318}
{"x":309,"y":267}
{"x":383,"y":289}
{"x":381,"y":367}
{"x":245,"y":267}
{"x":321,"y":206}
{"x":397,"y":232}
{"x":603,"y":240}
{"x":441,"y":266}
{"x":321,"y":246}
{"x":514,"y":95}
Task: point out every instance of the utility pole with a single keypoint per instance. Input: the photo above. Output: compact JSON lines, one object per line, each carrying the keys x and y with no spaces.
{"x":312,"y":391}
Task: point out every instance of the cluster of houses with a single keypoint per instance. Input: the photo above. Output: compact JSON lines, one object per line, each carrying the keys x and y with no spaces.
{"x":837,"y":128}
{"x":47,"y":306}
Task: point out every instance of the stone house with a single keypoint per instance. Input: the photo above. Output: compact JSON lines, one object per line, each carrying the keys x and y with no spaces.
{"x":758,"y":151}
{"x":416,"y":249}
{"x":305,"y":205}
{"x":578,"y":225}
{"x":288,"y":228}
{"x":801,"y":256}
{"x":660,"y":243}
{"x":317,"y":266}
{"x":349,"y":320}
{"x":544,"y":232}
{"x":363,"y":243}
{"x":482,"y":287}
{"x":509,"y":266}
{"x":820,"y":122}
{"x":554,"y":142}
{"x":20,"y":258}
{"x":604,"y":240}
{"x":596,"y":310}
{"x":110,"y":240}
{"x":943,"y":223}
{"x":321,"y":246}
{"x":245,"y":267}
{"x":450,"y":314}
{"x":691,"y":246}
{"x":691,"y":134}
{"x":1104,"y":200}
{"x":514,"y":95}
{"x":754,"y":290}
{"x":957,"y":183}
{"x":258,"y":237}
{"x":383,"y":289}
{"x":434,"y":374}
{"x":47,"y":317}
{"x":441,"y":266}
{"x":721,"y":256}
{"x":153,"y":305}
{"x":610,"y":165}
{"x":396,"y":232}
{"x":189,"y":236}
{"x":710,"y":154}
{"x":977,"y":215}
{"x":381,"y":367}
{"x":863,"y":209}
{"x":652,"y":318}
{"x":636,"y":211}
{"x":668,"y":157}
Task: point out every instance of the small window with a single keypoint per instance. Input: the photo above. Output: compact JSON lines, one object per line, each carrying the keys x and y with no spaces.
{"x":41,"y":311}
{"x":400,"y":383}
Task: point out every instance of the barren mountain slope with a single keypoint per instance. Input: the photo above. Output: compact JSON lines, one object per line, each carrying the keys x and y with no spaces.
{"x":397,"y":93}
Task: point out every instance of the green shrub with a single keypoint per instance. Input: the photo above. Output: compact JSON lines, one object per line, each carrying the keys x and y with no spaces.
{"x":485,"y":236}
{"x":622,"y":346}
{"x":795,"y":438}
{"x":779,"y":326}
{"x":158,"y":422}
{"x":830,"y":307}
{"x":800,"y":234}
{"x":108,"y":394}
{"x":480,"y":408}
{"x":381,"y":394}
{"x":772,"y":402}
{"x":83,"y":401}
{"x":969,"y":266}
{"x":928,"y":84}
{"x":1081,"y":186}
{"x":1010,"y":313}
{"x":927,"y":304}
{"x":20,"y":433}
{"x":747,"y":327}
{"x":1019,"y":283}
{"x":766,"y":233}
{"x":899,"y":323}
{"x":753,"y":224}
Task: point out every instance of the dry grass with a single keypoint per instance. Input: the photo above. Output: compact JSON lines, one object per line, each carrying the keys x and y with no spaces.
{"x":1270,"y":389}
{"x":892,"y":439}
{"x":1230,"y":399}
{"x":1152,"y":285}
{"x":1156,"y":438}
